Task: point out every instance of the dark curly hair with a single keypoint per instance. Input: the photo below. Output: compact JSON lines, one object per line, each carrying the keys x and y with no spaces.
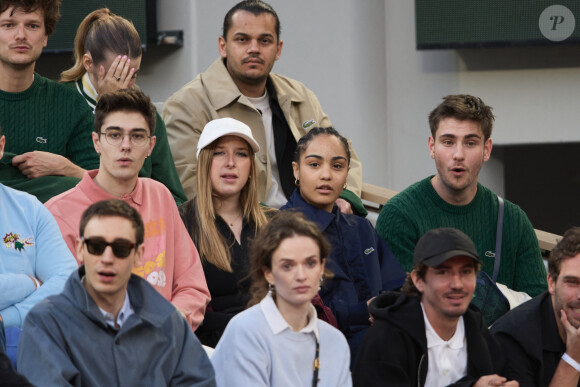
{"x":50,"y":9}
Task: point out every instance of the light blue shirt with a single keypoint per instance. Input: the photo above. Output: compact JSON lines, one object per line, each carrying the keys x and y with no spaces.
{"x":30,"y":245}
{"x":122,"y":316}
{"x":259,"y":348}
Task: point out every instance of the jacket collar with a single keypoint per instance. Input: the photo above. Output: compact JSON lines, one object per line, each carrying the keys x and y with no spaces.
{"x":154,"y":311}
{"x":322,"y":218}
{"x":222,"y":90}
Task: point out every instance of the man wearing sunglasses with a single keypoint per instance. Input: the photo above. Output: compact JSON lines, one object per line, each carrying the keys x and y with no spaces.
{"x":109,"y":326}
{"x":124,"y":137}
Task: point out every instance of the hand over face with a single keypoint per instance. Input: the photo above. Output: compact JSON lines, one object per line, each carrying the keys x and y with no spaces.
{"x":120,"y":75}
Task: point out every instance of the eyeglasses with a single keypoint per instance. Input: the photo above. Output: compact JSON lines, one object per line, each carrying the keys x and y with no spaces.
{"x":121,"y":247}
{"x":115,"y":137}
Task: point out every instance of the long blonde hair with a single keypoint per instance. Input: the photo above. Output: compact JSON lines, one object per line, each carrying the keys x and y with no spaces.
{"x":212,"y":245}
{"x":99,"y":33}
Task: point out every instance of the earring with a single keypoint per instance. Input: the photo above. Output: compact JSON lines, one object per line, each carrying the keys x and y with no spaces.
{"x":271,"y":289}
{"x":249,"y":177}
{"x":297,"y":182}
{"x":345,"y":185}
{"x":99,"y":153}
{"x":320,"y":285}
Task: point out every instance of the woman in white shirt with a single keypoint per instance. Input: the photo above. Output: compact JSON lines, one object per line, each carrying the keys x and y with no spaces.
{"x":279,"y":341}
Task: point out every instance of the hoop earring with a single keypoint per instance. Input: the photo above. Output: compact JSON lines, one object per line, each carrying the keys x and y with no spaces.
{"x":297,"y":182}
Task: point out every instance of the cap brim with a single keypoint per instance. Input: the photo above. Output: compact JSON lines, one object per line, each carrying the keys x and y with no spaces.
{"x":438,"y":259}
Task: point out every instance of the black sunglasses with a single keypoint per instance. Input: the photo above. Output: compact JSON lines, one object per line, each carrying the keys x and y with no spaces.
{"x":121,"y":247}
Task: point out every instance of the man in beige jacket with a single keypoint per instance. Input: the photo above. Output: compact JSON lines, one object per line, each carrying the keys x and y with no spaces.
{"x":239,"y":84}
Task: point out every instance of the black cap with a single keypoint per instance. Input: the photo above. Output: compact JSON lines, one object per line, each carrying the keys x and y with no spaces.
{"x":440,"y":244}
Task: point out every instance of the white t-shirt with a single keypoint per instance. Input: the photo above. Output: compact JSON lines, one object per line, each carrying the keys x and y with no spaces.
{"x":276,"y":197}
{"x":447,"y":359}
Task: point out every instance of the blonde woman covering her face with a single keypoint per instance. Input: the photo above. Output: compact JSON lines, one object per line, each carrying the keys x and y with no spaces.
{"x":226,"y":208}
{"x":107,"y":56}
{"x":279,"y":341}
{"x":362,"y":264}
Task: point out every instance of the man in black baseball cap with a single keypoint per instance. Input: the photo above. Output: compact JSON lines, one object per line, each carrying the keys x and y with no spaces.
{"x":429,"y":335}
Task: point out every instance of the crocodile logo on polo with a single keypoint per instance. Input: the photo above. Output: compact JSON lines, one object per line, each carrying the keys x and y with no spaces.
{"x":307,"y":124}
{"x":369,"y":250}
{"x":41,"y":140}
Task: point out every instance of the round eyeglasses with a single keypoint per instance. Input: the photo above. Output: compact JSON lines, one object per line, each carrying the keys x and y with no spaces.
{"x":115,"y":137}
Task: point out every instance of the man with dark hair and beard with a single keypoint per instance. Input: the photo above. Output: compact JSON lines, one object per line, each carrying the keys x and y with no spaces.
{"x":541,"y":338}
{"x":429,"y":335}
{"x":240,"y":84}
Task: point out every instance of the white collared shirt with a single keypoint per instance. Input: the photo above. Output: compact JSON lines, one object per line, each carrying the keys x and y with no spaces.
{"x":277,"y":322}
{"x":124,"y":313}
{"x":447,"y":359}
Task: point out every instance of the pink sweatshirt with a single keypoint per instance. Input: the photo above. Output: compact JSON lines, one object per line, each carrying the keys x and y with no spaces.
{"x":170,"y":261}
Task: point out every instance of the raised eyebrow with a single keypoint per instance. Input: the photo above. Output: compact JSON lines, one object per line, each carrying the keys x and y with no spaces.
{"x":314,"y":156}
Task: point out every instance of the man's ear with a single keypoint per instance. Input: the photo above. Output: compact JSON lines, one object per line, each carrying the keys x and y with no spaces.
{"x":96,"y":142}
{"x":79,"y":249}
{"x":431,"y":144}
{"x":152,"y":142}
{"x":222,"y":47}
{"x":551,"y":285}
{"x":139,"y":255}
{"x":279,"y":50}
{"x":417,"y":281}
{"x":487,"y":149}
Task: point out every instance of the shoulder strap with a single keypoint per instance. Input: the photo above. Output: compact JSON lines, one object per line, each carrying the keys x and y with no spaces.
{"x":498,"y":237}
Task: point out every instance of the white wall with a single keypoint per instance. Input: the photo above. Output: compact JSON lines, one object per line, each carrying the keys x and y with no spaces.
{"x":359,"y":57}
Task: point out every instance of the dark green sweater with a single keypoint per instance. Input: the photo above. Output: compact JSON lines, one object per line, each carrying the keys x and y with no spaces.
{"x":44,"y":187}
{"x":414,"y":211}
{"x":48,"y":117}
{"x":160,"y":165}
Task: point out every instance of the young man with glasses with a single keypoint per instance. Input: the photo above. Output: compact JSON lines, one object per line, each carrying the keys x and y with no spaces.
{"x":123,"y":137}
{"x":108,"y":326}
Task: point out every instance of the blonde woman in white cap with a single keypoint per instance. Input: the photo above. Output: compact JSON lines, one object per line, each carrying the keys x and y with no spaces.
{"x":223,"y":216}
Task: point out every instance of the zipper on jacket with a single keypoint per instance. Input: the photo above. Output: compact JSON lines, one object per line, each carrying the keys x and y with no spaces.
{"x":419,"y":371}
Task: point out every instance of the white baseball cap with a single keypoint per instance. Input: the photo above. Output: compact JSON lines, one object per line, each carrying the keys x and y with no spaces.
{"x":225,"y":127}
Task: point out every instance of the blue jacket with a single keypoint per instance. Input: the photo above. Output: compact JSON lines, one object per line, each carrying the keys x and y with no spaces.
{"x":66,"y":341}
{"x":360,"y":261}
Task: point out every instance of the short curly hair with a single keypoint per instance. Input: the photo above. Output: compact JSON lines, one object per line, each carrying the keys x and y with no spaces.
{"x":567,"y":247}
{"x":50,"y":10}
